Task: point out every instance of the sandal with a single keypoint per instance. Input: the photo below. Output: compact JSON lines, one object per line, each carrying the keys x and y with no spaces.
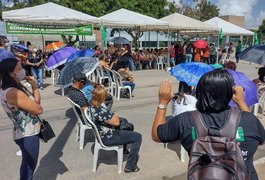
{"x":131,"y":170}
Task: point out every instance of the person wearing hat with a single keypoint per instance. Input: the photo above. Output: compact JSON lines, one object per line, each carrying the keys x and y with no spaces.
{"x":80,"y":92}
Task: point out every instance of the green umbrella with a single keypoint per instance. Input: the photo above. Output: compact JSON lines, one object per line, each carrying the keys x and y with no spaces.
{"x":217,"y":66}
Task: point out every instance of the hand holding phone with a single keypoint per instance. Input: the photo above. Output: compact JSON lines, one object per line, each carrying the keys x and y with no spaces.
{"x":31,"y":80}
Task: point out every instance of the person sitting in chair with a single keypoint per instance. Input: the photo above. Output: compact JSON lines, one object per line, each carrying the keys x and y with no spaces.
{"x":108,"y":124}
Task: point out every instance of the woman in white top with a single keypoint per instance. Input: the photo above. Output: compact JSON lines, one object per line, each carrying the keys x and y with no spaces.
{"x":22,"y":106}
{"x":183,"y":101}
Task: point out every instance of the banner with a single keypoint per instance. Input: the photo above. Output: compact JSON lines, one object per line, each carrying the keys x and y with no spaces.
{"x":20,"y":28}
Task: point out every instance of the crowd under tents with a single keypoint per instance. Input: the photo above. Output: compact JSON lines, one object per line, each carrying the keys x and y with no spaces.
{"x":228,"y":28}
{"x":49,"y":14}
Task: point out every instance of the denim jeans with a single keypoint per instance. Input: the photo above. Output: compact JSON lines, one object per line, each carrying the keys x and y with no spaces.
{"x":132,"y":64}
{"x":121,"y":137}
{"x":128,"y":83}
{"x":29,"y":147}
{"x":212,"y":59}
{"x":188,"y":57}
{"x":37,"y":73}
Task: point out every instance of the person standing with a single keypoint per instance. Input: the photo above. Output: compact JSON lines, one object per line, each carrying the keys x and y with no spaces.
{"x":22,"y":107}
{"x":188,"y":53}
{"x":4,"y":53}
{"x":212,"y":53}
{"x":36,"y":62}
{"x":238,"y":50}
{"x":172,"y":55}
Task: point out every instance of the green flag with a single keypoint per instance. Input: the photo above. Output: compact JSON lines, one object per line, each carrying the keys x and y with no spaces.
{"x":256,"y":40}
{"x":220,"y":36}
{"x":104,"y":35}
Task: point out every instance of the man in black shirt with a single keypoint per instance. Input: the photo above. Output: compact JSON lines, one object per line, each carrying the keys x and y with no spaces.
{"x":214,"y":92}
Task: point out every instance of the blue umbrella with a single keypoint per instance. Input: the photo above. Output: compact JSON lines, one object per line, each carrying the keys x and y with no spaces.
{"x":255,"y":54}
{"x":250,"y":89}
{"x":19,"y":47}
{"x":81,"y":53}
{"x":59,"y":57}
{"x":85,"y":65}
{"x":190,"y":72}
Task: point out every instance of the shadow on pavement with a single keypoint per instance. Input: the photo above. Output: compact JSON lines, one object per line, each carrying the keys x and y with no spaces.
{"x":50,"y":165}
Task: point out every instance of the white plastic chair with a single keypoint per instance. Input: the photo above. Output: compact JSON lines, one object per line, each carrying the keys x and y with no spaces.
{"x":120,"y":86}
{"x":81,"y":125}
{"x":259,"y":104}
{"x":55,"y":74}
{"x":112,"y":83}
{"x":100,"y":75}
{"x":159,"y":62}
{"x":99,"y":145}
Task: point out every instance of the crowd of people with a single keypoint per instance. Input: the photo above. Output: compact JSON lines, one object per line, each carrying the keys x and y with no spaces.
{"x":210,"y":99}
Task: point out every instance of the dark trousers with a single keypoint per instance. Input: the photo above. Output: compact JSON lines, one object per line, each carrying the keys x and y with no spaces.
{"x":212,"y":59}
{"x":29,"y":147}
{"x":121,"y":137}
{"x":237,"y":57}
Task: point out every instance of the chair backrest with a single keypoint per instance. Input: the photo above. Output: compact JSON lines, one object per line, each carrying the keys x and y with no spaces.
{"x":110,"y":74}
{"x":117,"y":78}
{"x":78,"y":112}
{"x":94,"y":127}
{"x":160,"y":59}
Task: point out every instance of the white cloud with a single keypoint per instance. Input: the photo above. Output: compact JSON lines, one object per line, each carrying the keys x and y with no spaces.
{"x":239,"y":8}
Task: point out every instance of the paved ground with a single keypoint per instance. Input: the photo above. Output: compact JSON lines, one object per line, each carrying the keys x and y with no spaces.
{"x":62,"y":159}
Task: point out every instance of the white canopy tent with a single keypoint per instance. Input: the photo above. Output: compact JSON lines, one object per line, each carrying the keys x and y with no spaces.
{"x":124,"y":18}
{"x":229,"y":28}
{"x":184,"y":23}
{"x":49,"y":14}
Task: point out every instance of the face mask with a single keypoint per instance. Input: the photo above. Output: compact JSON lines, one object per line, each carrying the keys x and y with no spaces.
{"x":20,"y":75}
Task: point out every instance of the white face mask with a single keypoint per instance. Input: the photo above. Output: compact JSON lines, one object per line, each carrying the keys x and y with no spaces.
{"x":20,"y":75}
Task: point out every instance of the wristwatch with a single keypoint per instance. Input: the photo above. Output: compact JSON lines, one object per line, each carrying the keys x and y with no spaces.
{"x":162,"y":106}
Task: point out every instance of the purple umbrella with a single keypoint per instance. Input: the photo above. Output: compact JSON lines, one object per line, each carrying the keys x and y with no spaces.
{"x":59,"y":57}
{"x":250,"y":89}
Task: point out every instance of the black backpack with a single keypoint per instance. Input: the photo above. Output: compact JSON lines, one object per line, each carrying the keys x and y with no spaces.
{"x":215,"y":155}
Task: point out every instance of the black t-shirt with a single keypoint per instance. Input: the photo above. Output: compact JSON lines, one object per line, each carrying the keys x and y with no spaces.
{"x":34,"y":59}
{"x":250,"y":129}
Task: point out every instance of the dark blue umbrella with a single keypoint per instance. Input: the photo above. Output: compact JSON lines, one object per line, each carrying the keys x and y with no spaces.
{"x":190,"y":72}
{"x":250,"y":89}
{"x":85,"y":65}
{"x":120,"y":40}
{"x":255,"y":54}
{"x":81,"y":53}
{"x":19,"y":47}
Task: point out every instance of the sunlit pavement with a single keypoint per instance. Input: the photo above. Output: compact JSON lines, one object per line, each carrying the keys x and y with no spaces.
{"x":61,"y":158}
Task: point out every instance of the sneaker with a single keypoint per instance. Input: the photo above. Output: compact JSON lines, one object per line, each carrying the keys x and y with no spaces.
{"x":126,"y":151}
{"x":131,"y":170}
{"x":41,"y":88}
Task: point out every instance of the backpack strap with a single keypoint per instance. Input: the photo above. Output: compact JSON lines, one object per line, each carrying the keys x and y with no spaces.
{"x":231,"y":125}
{"x":201,"y":129}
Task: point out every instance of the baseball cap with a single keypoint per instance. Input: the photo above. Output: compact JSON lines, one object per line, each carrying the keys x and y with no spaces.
{"x":80,"y":77}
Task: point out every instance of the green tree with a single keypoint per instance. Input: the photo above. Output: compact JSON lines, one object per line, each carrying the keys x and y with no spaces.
{"x":203,"y":11}
{"x":261,"y":29}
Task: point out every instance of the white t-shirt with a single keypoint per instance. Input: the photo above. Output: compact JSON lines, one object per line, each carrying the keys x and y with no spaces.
{"x":181,"y":108}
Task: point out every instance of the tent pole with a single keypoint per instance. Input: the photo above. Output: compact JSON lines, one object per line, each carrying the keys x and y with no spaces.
{"x":157,"y":45}
{"x":42,"y":39}
{"x":168,"y":49}
{"x":217,"y":55}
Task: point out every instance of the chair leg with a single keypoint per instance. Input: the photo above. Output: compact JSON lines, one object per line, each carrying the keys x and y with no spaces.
{"x":95,"y":159}
{"x":120,"y":159}
{"x":82,"y":137}
{"x":77,"y":132}
{"x":130,"y":93}
{"x":256,"y":109}
{"x":182,"y":154}
{"x":62,"y":89}
{"x":118,"y":94}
